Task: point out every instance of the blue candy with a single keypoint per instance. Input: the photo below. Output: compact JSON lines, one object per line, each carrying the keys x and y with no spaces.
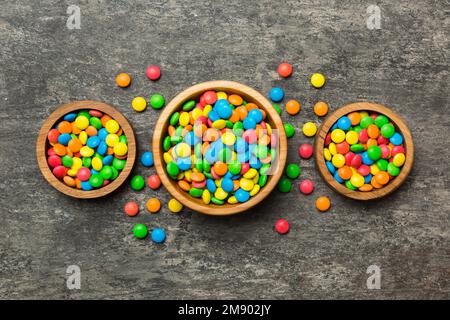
{"x":337,"y":178}
{"x":334,"y":126}
{"x":70,"y":117}
{"x":241,"y":195}
{"x":184,"y":163}
{"x":365,"y":158}
{"x":249,"y":123}
{"x":102,"y":148}
{"x":102,"y":133}
{"x":211,"y":154}
{"x":108,"y":160}
{"x":396,"y":139}
{"x":276,"y":94}
{"x":211,"y":186}
{"x":228,"y":175}
{"x":330,"y":167}
{"x":227,"y":185}
{"x":240,"y":145}
{"x":368,"y":178}
{"x":191,"y":139}
{"x":256,"y":114}
{"x":223,"y":109}
{"x":158,"y":235}
{"x":86,"y":186}
{"x":243,"y":157}
{"x":255,"y":162}
{"x":64,"y":138}
{"x":93,"y":171}
{"x":147,"y":159}
{"x":213,"y":115}
{"x":93,"y":142}
{"x":344,"y":123}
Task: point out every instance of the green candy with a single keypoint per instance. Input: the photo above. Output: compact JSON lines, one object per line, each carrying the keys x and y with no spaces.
{"x":174,"y":118}
{"x":195,"y":192}
{"x":366,"y":122}
{"x":374,"y":152}
{"x":357,"y":147}
{"x":229,"y":124}
{"x":179,"y":131}
{"x":137,"y":183}
{"x":208,"y":175}
{"x":84,"y":113}
{"x":349,"y":185}
{"x":198,"y":150}
{"x":157,"y":101}
{"x":95,"y":122}
{"x":172,"y":169}
{"x":86,"y":162}
{"x":387,"y":130}
{"x":199,"y":165}
{"x":167,"y":143}
{"x":206,"y":166}
{"x":293,"y":171}
{"x":106,"y":172}
{"x":234,"y":167}
{"x":140,"y":231}
{"x":189,"y":105}
{"x":381,"y":120}
{"x":217,"y":201}
{"x":176,"y":139}
{"x":382,"y":164}
{"x":393,"y":170}
{"x":262,"y":180}
{"x":67,"y":161}
{"x":263,"y":152}
{"x":225,"y":155}
{"x":357,"y":128}
{"x":289,"y":129}
{"x":284,"y":185}
{"x":115,"y":173}
{"x":238,"y":128}
{"x":119,"y":164}
{"x":264,"y":168}
{"x":123,"y":139}
{"x":277,"y":108}
{"x":96,"y":180}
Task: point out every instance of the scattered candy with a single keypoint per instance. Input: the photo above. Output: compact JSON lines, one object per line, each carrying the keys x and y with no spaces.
{"x":305,"y":151}
{"x":289,"y":129}
{"x":292,"y":107}
{"x":317,"y":80}
{"x":153,"y":72}
{"x":131,"y":208}
{"x":321,"y":108}
{"x":309,"y":129}
{"x":153,"y":182}
{"x":139,"y":104}
{"x":175,"y":206}
{"x":276,"y":94}
{"x":123,"y":80}
{"x":158,"y":235}
{"x":306,"y":186}
{"x":147,"y":159}
{"x":323,"y":203}
{"x":284,"y":185}
{"x":153,"y":205}
{"x":137,"y":183}
{"x":282,"y":226}
{"x":88,"y":149}
{"x":293,"y":170}
{"x":157,"y":101}
{"x":140,"y":231}
{"x":284,"y":70}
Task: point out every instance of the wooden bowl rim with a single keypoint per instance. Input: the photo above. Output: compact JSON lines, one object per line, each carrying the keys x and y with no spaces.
{"x":175,"y":104}
{"x":41,"y":148}
{"x":359,"y":195}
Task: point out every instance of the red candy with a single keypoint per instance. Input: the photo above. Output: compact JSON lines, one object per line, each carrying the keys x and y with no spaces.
{"x":53,"y":135}
{"x":343,"y":147}
{"x":96,"y":113}
{"x":356,"y":161}
{"x":364,"y":170}
{"x":397,"y":149}
{"x":306,"y":186}
{"x":83,"y":174}
{"x":210,"y":97}
{"x":363,"y":136}
{"x":282,"y":226}
{"x":59,"y":172}
{"x":348,"y":158}
{"x":327,"y":139}
{"x":54,"y":161}
{"x":244,"y":167}
{"x":305,"y":151}
{"x":131,"y":208}
{"x":284,"y":69}
{"x":153,"y":182}
{"x":153,"y":72}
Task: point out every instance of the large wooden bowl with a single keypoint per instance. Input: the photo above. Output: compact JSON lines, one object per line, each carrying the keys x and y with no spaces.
{"x":250,"y":95}
{"x":43,"y":145}
{"x":400,"y":127}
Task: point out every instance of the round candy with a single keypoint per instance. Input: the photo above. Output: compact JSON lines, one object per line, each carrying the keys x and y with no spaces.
{"x":140,"y":231}
{"x":317,"y":80}
{"x":83,"y":174}
{"x":387,"y":130}
{"x":153,"y":72}
{"x":323,"y":203}
{"x":157,"y":101}
{"x":309,"y":129}
{"x":147,"y":159}
{"x":338,"y":135}
{"x":282,"y":226}
{"x":158,"y":235}
{"x":123,"y":80}
{"x":284,"y":185}
{"x":276,"y":94}
{"x":321,"y":108}
{"x":289,"y":129}
{"x":374,"y":152}
{"x":284,"y":69}
{"x":242,"y":195}
{"x":174,"y":205}
{"x":131,"y":208}
{"x":344,"y":123}
{"x":139,"y":104}
{"x":137,"y":183}
{"x":293,"y":170}
{"x":153,"y":182}
{"x":292,"y":107}
{"x":153,"y":205}
{"x":305,"y":151}
{"x":306,"y":186}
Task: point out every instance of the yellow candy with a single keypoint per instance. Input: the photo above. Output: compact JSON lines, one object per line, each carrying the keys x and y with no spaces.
{"x":183,"y":150}
{"x":218,"y":182}
{"x":317,"y":80}
{"x":255,"y":189}
{"x":83,"y":137}
{"x":357,"y":180}
{"x":180,"y":176}
{"x":246,"y":184}
{"x":309,"y":129}
{"x":77,"y":163}
{"x":352,"y":137}
{"x":337,"y":135}
{"x":221,"y":95}
{"x":232,"y":200}
{"x":269,"y":129}
{"x":112,"y":126}
{"x":120,"y":149}
{"x":255,"y":178}
{"x":327,"y":154}
{"x":82,"y":122}
{"x":219,"y":124}
{"x":174,"y":205}
{"x":374,"y":169}
{"x":332,"y":148}
{"x":207,"y":109}
{"x":112,"y":139}
{"x":72,"y":172}
{"x":364,"y":114}
{"x":206,"y":196}
{"x":187,"y":175}
{"x":184,"y":119}
{"x":167,"y":157}
{"x":196,"y":113}
{"x":220,"y":194}
{"x":228,"y":138}
{"x":139,"y":104}
{"x":85,"y":151}
{"x":338,"y":160}
{"x":250,"y":174}
{"x":399,"y":159}
{"x":97,"y":163}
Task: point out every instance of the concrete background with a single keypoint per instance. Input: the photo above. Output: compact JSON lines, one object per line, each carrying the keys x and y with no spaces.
{"x":404,"y":65}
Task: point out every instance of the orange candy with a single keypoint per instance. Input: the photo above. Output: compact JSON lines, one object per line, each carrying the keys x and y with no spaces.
{"x":91,"y":131}
{"x":321,"y":108}
{"x":65,"y":127}
{"x":371,"y":142}
{"x":75,"y":129}
{"x":184,"y":185}
{"x":104,"y":119}
{"x":251,"y":106}
{"x":75,"y":145}
{"x":123,"y":80}
{"x":59,"y":149}
{"x":355,"y":118}
{"x":292,"y":107}
{"x":373,"y":131}
{"x":366,"y":187}
{"x":220,"y":168}
{"x":197,"y":177}
{"x":375,"y":184}
{"x":235,"y":100}
{"x":345,"y":172}
{"x":69,"y":181}
{"x":234,"y":116}
{"x":382,"y":177}
{"x":242,"y":111}
{"x":153,"y":205}
{"x":323,"y":203}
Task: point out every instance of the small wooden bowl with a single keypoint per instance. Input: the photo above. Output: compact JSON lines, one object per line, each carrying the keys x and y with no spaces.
{"x":43,"y":145}
{"x":399,"y":125}
{"x":194,"y":92}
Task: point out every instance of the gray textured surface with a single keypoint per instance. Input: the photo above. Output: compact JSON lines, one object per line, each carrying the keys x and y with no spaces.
{"x":404,"y":66}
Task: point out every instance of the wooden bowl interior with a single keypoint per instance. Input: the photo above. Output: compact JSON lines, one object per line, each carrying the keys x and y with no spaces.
{"x":43,"y":145}
{"x":249,"y":95}
{"x":399,"y":125}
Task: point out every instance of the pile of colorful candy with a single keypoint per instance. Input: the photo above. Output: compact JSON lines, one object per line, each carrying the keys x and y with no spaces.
{"x":364,"y":151}
{"x":87,"y":150}
{"x":219,"y":148}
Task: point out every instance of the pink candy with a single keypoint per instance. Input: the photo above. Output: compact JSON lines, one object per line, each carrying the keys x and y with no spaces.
{"x":305,"y":151}
{"x":306,"y":186}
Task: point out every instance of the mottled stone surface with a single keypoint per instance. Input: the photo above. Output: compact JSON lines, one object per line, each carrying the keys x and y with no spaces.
{"x":404,"y":65}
